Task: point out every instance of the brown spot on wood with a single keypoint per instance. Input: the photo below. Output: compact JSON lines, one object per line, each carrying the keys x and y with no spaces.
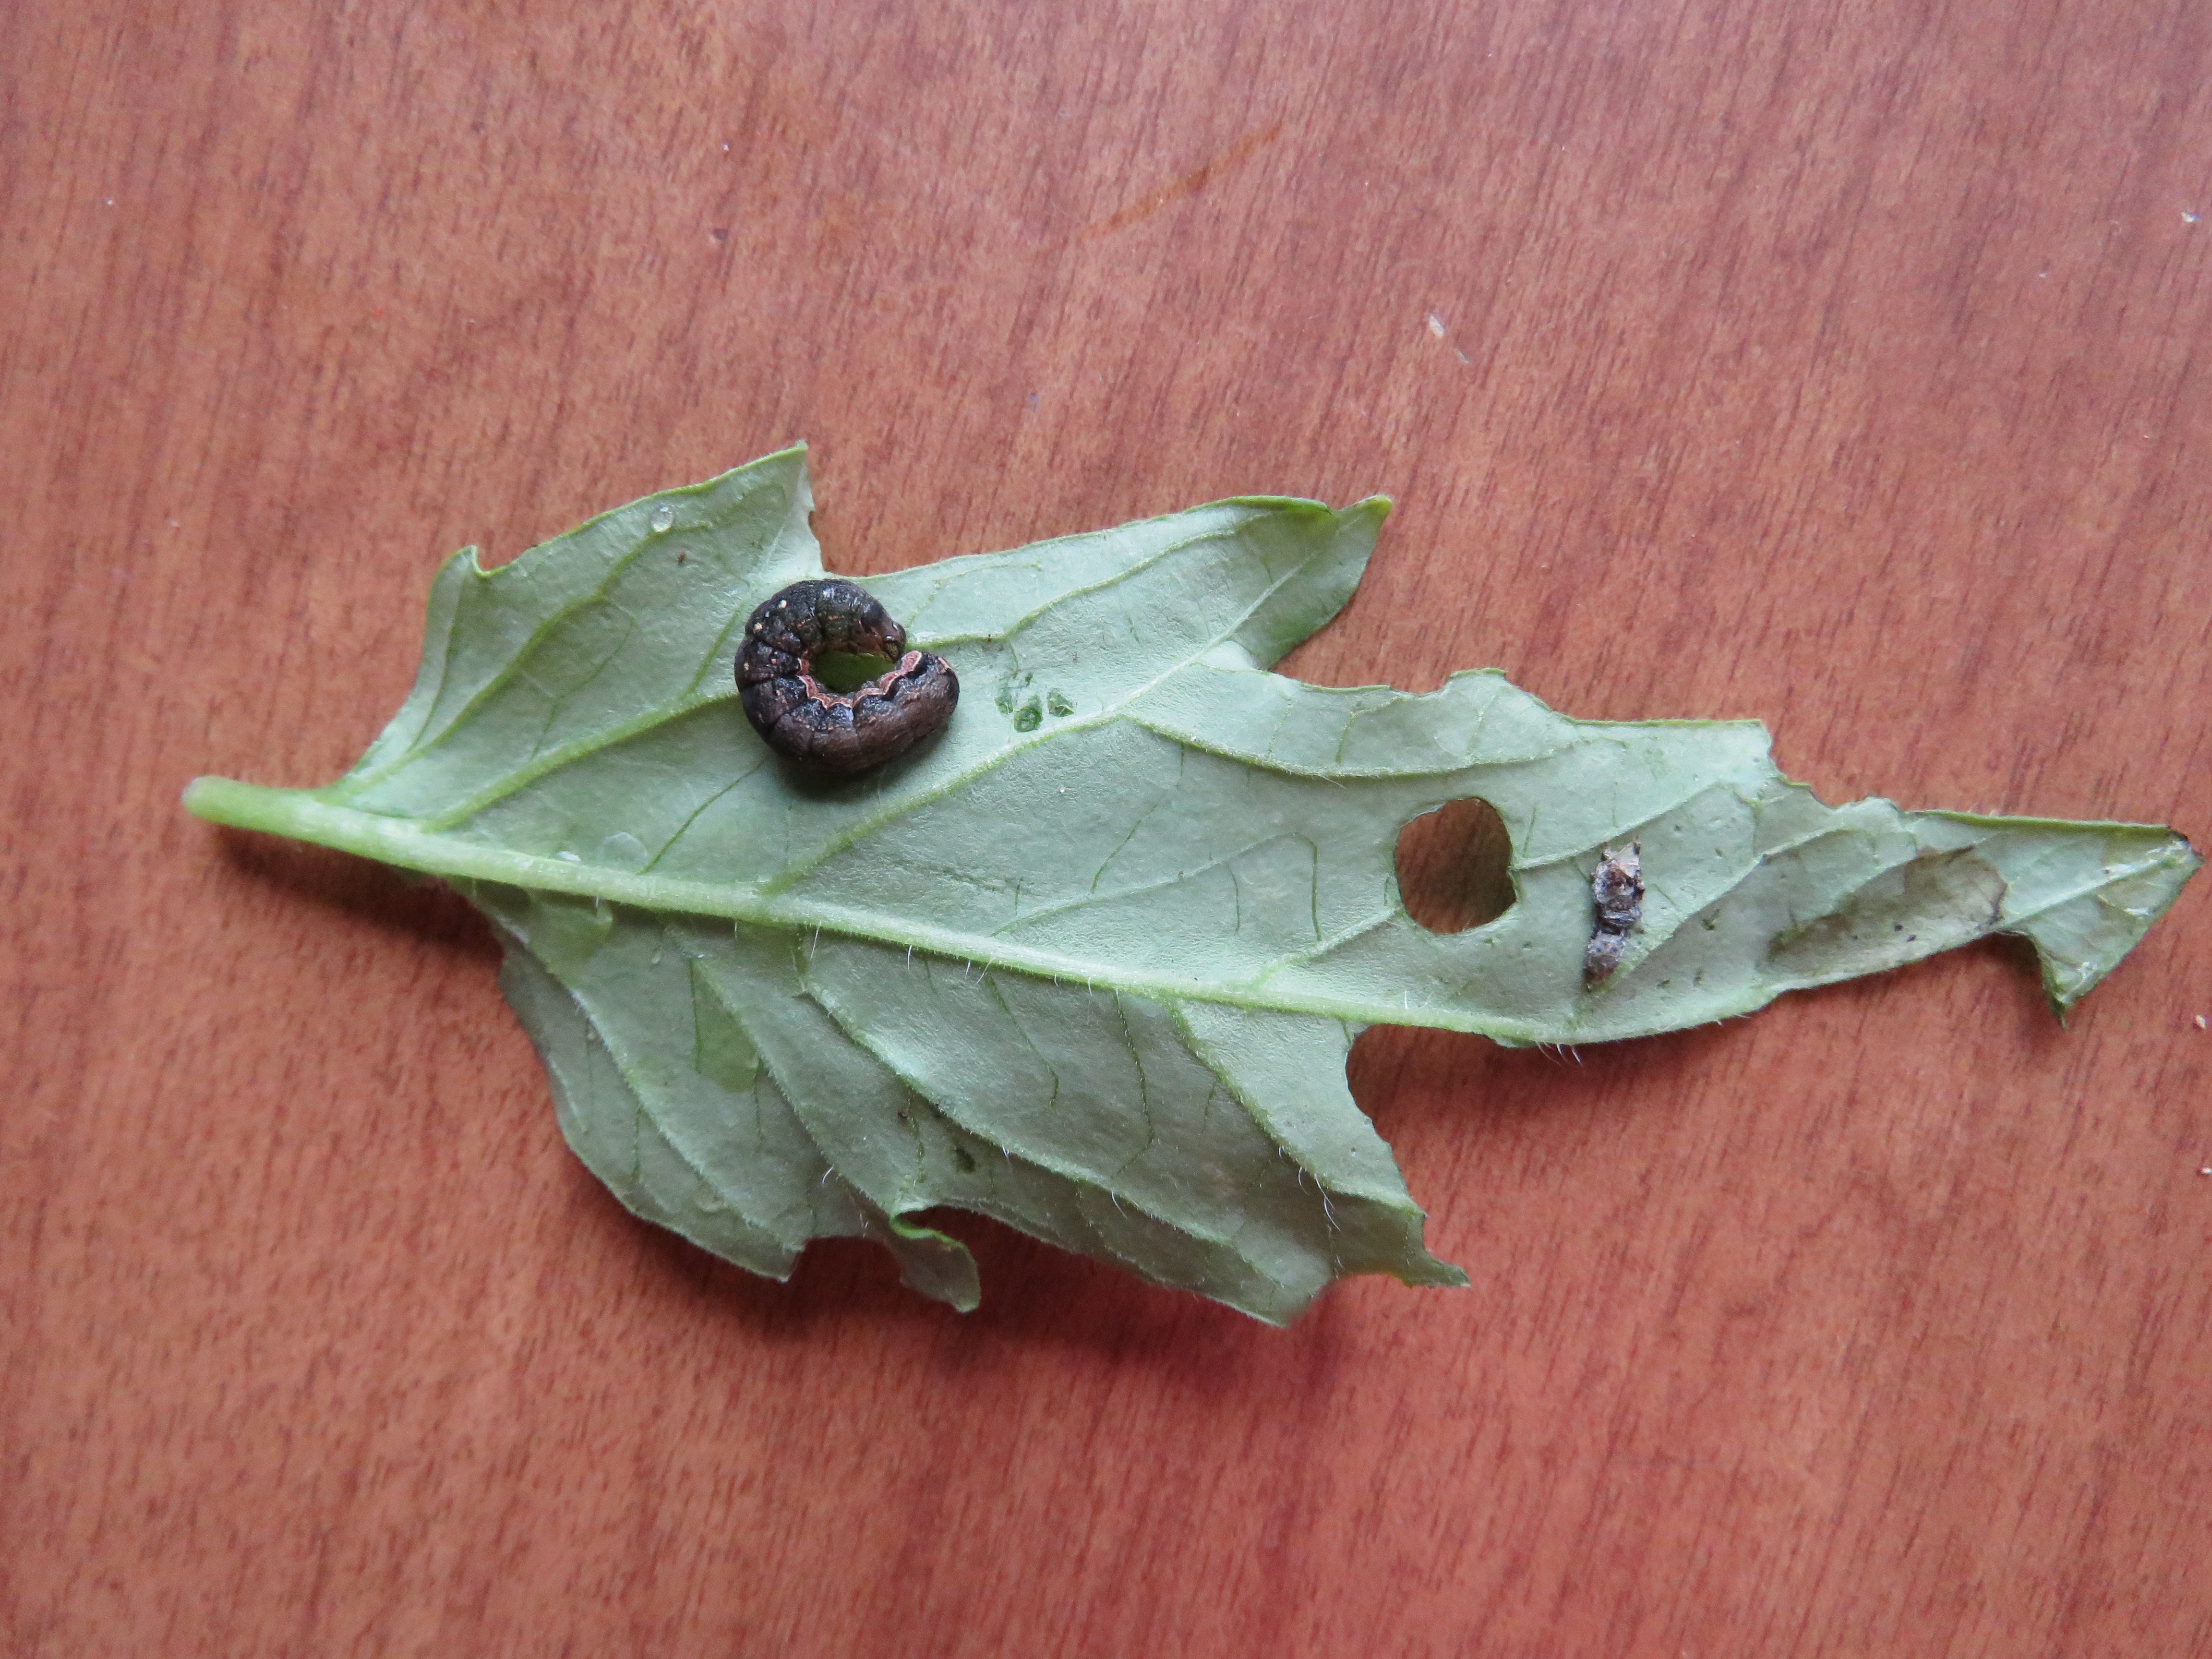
{"x":1188,"y":184}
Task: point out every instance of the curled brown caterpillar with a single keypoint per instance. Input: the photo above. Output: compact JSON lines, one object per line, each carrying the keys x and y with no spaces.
{"x":801,"y":718}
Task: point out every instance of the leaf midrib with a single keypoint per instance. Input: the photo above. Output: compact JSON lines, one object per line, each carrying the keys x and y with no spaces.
{"x":391,"y":841}
{"x":304,"y":817}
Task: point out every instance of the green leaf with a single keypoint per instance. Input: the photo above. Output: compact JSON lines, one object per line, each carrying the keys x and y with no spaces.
{"x":1091,"y":961}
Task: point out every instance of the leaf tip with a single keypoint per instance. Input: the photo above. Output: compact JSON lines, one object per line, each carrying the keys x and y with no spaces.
{"x":1435,"y":1273}
{"x":2074,"y":953}
{"x":934,"y":1264}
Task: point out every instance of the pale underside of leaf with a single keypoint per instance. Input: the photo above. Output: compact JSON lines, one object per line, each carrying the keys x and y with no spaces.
{"x":832,"y":1089}
{"x":1090,"y":962}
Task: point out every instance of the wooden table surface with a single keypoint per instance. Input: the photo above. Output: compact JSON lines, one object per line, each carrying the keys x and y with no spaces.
{"x":1864,"y":347}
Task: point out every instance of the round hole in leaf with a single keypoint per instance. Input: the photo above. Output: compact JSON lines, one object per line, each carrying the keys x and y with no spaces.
{"x":1455,"y":866}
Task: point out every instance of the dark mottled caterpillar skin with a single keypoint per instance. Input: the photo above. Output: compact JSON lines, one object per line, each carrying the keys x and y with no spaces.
{"x":803,"y":718}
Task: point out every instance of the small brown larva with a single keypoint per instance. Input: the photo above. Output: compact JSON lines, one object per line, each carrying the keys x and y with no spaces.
{"x":799,"y":717}
{"x":1617,"y":894}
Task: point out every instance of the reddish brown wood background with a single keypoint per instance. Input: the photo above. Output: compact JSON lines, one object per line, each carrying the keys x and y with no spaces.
{"x":1864,"y":345}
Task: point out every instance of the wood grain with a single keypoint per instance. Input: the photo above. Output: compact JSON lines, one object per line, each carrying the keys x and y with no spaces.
{"x":1865,"y":346}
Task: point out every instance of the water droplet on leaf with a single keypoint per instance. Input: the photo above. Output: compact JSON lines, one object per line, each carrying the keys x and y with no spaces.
{"x":621,"y":851}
